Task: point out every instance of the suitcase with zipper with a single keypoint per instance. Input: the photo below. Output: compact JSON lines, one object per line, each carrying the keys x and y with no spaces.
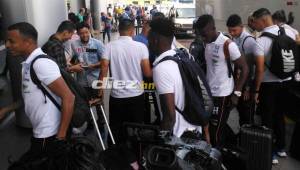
{"x":257,"y":142}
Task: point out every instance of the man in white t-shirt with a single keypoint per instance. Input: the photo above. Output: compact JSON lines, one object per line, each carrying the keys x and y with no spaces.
{"x":247,"y":46}
{"x":49,"y":124}
{"x":279,"y":18}
{"x":127,"y":61}
{"x":167,"y":78}
{"x":271,"y":91}
{"x":219,"y":72}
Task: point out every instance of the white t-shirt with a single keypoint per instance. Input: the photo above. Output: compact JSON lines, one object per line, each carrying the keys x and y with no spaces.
{"x":286,"y":26}
{"x":45,"y":117}
{"x":167,"y":79}
{"x":125,"y":57}
{"x":217,"y":71}
{"x":264,"y":48}
{"x":247,"y":46}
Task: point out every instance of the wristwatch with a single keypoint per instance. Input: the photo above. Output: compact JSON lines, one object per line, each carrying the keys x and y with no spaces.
{"x":237,"y":93}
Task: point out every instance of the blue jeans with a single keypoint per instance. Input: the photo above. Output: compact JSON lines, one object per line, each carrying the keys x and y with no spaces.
{"x":108,"y":32}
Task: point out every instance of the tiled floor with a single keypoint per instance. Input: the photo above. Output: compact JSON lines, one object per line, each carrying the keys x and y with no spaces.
{"x":14,"y":141}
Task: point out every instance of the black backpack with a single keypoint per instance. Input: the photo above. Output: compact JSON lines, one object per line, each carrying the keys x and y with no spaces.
{"x":197,"y":50}
{"x":81,"y":112}
{"x":285,"y":57}
{"x":198,"y":98}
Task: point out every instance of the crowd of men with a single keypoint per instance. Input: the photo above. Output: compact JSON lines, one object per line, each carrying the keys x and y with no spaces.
{"x":132,"y":59}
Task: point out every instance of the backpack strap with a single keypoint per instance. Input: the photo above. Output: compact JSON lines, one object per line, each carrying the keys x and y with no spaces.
{"x":38,"y":82}
{"x":249,"y":36}
{"x":227,"y":57}
{"x":281,"y":31}
{"x":270,"y":35}
{"x":273,"y":37}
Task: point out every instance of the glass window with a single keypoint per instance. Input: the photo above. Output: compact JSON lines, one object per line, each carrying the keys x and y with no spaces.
{"x":186,"y":13}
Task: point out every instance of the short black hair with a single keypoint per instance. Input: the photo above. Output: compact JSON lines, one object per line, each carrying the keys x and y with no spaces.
{"x":73,"y":18}
{"x":27,"y":30}
{"x":163,"y":26}
{"x":82,"y":25}
{"x":126,"y":24}
{"x":261,"y":12}
{"x":279,"y":16}
{"x":66,"y":26}
{"x":204,"y":20}
{"x":234,"y":20}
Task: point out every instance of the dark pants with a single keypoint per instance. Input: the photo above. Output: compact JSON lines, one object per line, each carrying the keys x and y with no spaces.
{"x":246,"y":111}
{"x":222,"y":108}
{"x":125,"y":110}
{"x":40,"y":147}
{"x":107,"y":31}
{"x":272,"y":99}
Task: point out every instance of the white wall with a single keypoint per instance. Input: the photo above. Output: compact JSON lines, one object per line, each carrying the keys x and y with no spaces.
{"x":222,"y":9}
{"x":45,"y":16}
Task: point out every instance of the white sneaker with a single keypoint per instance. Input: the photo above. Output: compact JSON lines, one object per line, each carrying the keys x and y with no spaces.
{"x":282,"y":154}
{"x":275,"y":161}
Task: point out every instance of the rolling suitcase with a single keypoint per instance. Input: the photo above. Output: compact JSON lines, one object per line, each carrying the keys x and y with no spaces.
{"x":257,"y":142}
{"x":114,"y":157}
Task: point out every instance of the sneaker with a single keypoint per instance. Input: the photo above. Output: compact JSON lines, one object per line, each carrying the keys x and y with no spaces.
{"x":275,"y":160}
{"x":282,"y":154}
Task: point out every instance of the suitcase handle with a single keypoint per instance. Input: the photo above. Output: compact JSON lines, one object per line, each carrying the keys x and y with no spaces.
{"x":97,"y":127}
{"x":107,"y":125}
{"x":255,"y":126}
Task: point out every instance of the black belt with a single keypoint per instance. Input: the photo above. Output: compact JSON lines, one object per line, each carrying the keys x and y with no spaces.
{"x":43,"y":141}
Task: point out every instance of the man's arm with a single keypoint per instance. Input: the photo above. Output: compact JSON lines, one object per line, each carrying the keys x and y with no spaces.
{"x":104,"y":65}
{"x":146,"y":68}
{"x":298,"y":39}
{"x":95,"y":66}
{"x":241,"y":64}
{"x":9,"y":108}
{"x":60,"y":88}
{"x":167,"y":102}
{"x":259,"y":74}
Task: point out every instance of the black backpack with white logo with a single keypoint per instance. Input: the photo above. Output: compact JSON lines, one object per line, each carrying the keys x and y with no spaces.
{"x":81,"y":111}
{"x":198,"y":99}
{"x":285,"y":55}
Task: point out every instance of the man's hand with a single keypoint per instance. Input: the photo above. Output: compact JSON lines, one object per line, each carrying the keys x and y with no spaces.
{"x":76,"y":68}
{"x":246,"y":95}
{"x":57,"y":146}
{"x":92,"y":66}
